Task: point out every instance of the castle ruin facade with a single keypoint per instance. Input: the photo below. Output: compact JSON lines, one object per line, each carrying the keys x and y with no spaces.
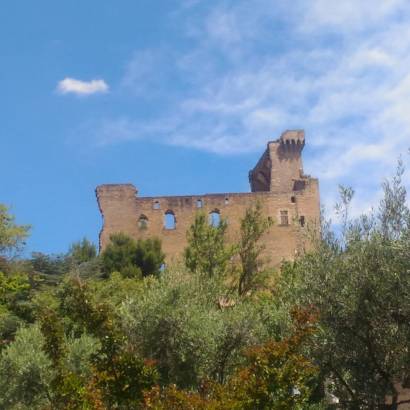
{"x":277,"y":182}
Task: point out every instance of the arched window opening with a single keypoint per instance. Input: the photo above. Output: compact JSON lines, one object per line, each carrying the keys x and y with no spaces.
{"x":156,"y":205}
{"x":199,"y":203}
{"x":169,"y":220}
{"x":214,"y":218}
{"x":226,"y":201}
{"x":302,"y":221}
{"x":284,"y":218}
{"x":293,"y":199}
{"x":142,"y":222}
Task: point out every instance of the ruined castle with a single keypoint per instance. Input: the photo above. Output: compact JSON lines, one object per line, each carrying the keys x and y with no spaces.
{"x":286,"y":194}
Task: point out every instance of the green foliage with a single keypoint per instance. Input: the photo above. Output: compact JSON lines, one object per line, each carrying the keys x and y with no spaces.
{"x":207,"y":252}
{"x":44,"y":299}
{"x":394,"y":215}
{"x":9,"y":324}
{"x":172,"y":398}
{"x":89,"y":270}
{"x":119,"y":373}
{"x":26,"y":372}
{"x":115,"y":290}
{"x":177,"y":320}
{"x":13,"y":288}
{"x":179,"y":340}
{"x":149,"y":256}
{"x":53,"y":333}
{"x":119,"y":254}
{"x":50,"y":265}
{"x":276,"y":375}
{"x":50,"y":269}
{"x":79,"y":354}
{"x":82,"y":251}
{"x":361,"y":287}
{"x":132,"y":258}
{"x":342,"y":207}
{"x":69,"y":387}
{"x":173,"y":321}
{"x":15,"y":295}
{"x":12,"y":236}
{"x":4,"y":265}
{"x":253,"y":226}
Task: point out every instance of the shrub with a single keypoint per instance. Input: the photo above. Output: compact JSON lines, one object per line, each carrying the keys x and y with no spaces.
{"x":25,"y":372}
{"x":82,"y":251}
{"x":132,"y":258}
{"x":177,"y":321}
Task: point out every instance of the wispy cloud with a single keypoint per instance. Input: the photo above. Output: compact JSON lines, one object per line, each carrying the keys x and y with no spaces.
{"x":78,"y":87}
{"x":338,"y":69}
{"x":350,"y":16}
{"x":123,"y":130}
{"x":254,"y":79}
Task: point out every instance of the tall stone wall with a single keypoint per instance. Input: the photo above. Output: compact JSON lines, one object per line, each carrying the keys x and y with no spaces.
{"x":282,"y":190}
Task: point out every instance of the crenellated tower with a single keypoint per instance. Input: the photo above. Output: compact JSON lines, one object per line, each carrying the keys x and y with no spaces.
{"x":280,"y":168}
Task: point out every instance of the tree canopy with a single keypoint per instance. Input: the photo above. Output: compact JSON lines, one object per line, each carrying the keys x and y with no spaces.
{"x":12,"y":236}
{"x":132,"y":258}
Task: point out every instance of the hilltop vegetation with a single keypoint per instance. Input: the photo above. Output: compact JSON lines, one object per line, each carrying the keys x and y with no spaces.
{"x":220,"y":331}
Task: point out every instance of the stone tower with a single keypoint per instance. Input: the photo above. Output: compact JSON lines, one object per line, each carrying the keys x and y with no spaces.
{"x":280,"y":165}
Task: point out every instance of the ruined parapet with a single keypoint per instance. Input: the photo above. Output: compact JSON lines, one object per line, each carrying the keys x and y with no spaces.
{"x":280,"y":164}
{"x":117,"y":206}
{"x":286,"y":195}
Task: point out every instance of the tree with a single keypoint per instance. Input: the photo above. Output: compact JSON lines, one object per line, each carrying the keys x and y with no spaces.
{"x":12,"y":236}
{"x":343,"y":206}
{"x":51,"y":266}
{"x":275,"y":376}
{"x":25,"y":372}
{"x":14,"y":299}
{"x":253,"y":226}
{"x":119,"y":254}
{"x":176,"y":321}
{"x":82,"y":251}
{"x":131,"y":258}
{"x":119,"y":373}
{"x":361,"y":288}
{"x":149,"y":256}
{"x":207,"y":252}
{"x":393,"y":213}
{"x":67,"y":389}
{"x":278,"y":374}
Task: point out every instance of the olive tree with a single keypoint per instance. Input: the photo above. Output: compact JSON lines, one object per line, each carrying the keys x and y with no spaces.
{"x":360,"y":284}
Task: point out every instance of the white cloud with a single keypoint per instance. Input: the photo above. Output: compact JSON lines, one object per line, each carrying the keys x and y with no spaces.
{"x":78,"y":87}
{"x":348,"y":15}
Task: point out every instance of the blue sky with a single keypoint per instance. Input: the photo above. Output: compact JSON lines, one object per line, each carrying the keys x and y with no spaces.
{"x":181,"y":97}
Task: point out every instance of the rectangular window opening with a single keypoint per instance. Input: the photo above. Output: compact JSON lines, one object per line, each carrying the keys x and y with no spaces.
{"x":284,"y":218}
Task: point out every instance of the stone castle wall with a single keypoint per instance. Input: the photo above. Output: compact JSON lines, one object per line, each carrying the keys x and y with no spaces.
{"x":277,"y":182}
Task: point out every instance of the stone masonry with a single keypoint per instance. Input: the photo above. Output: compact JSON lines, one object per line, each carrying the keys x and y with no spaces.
{"x":277,"y":181}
